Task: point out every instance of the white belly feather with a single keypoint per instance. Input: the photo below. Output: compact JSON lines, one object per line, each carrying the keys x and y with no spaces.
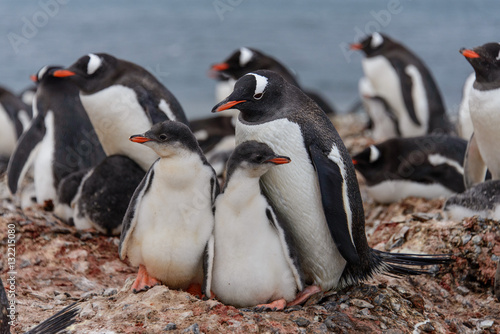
{"x":43,"y":171}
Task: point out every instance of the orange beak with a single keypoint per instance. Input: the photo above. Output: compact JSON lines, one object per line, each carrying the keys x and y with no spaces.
{"x":63,"y":73}
{"x":354,"y":162}
{"x":220,"y":67}
{"x":139,"y":139}
{"x":280,"y":160}
{"x":356,"y":46}
{"x":469,"y":53}
{"x":33,"y":78}
{"x":229,"y":105}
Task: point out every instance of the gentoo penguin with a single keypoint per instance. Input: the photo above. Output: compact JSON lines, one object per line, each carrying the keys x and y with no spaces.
{"x":28,"y":94}
{"x":121,"y":98}
{"x":254,"y":260}
{"x":246,"y":60}
{"x":170,"y":217}
{"x":53,"y":325}
{"x":15,"y":116}
{"x":428,"y":166}
{"x":98,"y":198}
{"x":383,"y":121}
{"x":465,"y":127}
{"x":318,"y":194}
{"x":484,"y":102}
{"x":402,"y":79}
{"x":481,"y":200}
{"x":59,"y":141}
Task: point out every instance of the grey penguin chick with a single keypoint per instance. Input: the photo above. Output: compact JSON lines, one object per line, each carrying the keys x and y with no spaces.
{"x":254,"y":260}
{"x":170,"y":217}
{"x":318,"y":194}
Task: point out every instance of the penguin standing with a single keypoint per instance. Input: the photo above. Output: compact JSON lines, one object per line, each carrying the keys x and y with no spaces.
{"x":402,"y":79}
{"x":318,"y":194}
{"x":253,"y":258}
{"x":170,"y":217}
{"x":59,"y":141}
{"x":121,"y":98}
{"x":428,"y":166}
{"x":484,"y":103}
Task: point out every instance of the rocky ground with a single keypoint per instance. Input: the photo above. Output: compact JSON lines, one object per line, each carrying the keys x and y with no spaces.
{"x":57,"y":265}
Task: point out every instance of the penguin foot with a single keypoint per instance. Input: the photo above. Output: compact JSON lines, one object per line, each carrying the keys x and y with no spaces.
{"x":304,"y":295}
{"x":144,"y":281}
{"x":195,"y":290}
{"x":277,"y":305}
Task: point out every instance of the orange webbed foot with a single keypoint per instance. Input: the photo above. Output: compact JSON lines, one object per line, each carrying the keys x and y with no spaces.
{"x":277,"y":305}
{"x":144,"y":281}
{"x":304,"y":295}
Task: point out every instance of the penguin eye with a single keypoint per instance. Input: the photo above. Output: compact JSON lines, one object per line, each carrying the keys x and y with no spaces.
{"x":258,"y":96}
{"x":259,"y":158}
{"x":163,"y":136}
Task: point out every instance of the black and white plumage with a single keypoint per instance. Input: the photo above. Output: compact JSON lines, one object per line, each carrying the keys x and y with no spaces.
{"x":484,"y":103}
{"x":254,"y":260}
{"x":465,"y":128}
{"x":481,"y":200}
{"x":402,"y":79}
{"x":317,"y":194}
{"x":121,"y":98}
{"x":60,"y":139}
{"x":428,"y":166}
{"x":170,"y":216}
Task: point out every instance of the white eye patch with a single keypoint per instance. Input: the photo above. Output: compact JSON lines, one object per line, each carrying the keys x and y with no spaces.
{"x":42,"y":72}
{"x":94,"y":63}
{"x":374,"y":154}
{"x":377,"y":40}
{"x":245,"y":56}
{"x":261,"y":83}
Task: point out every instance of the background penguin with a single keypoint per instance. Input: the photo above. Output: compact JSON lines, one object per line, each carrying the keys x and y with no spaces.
{"x":428,"y":166}
{"x":484,"y":103}
{"x":28,"y":94}
{"x":326,"y":222}
{"x":465,"y":127}
{"x":59,"y":141}
{"x":170,"y":217}
{"x":481,"y":200}
{"x":402,"y":79}
{"x":15,"y":116}
{"x":98,"y":198}
{"x":254,"y":261}
{"x":383,"y":122}
{"x":122,"y":98}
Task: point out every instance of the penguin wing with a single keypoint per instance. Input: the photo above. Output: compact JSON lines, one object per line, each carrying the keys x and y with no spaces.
{"x":474,"y":165}
{"x":406,"y":81}
{"x":130,"y":218}
{"x":332,"y":184}
{"x":208,"y":265}
{"x":25,"y":152}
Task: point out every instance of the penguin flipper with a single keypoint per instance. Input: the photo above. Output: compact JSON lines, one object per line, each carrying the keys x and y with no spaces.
{"x":208,"y":265}
{"x":406,"y":89}
{"x":24,"y":153}
{"x":130,"y":218}
{"x":474,"y":165}
{"x":331,"y":183}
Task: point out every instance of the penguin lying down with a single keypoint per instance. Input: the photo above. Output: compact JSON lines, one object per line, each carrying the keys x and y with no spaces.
{"x":481,"y":200}
{"x":428,"y":166}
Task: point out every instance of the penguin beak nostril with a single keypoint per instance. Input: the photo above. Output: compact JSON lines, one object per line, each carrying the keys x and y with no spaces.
{"x":63,"y":73}
{"x":469,"y":53}
{"x":139,"y":139}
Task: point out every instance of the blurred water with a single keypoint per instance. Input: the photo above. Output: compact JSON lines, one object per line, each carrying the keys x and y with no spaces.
{"x":178,"y":40}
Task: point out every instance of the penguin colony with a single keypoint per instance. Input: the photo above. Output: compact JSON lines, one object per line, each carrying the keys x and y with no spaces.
{"x":111,"y":148}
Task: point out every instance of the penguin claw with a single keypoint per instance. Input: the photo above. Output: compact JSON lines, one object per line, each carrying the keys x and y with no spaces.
{"x":277,"y":305}
{"x":144,"y":281}
{"x":304,"y":295}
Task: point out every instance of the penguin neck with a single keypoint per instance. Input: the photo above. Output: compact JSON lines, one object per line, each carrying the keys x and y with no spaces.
{"x":242,"y":185}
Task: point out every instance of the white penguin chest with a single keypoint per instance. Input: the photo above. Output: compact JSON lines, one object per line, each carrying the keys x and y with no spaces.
{"x":8,"y":136}
{"x":484,"y":111}
{"x":43,"y":171}
{"x":116,"y":114}
{"x":294,"y":190}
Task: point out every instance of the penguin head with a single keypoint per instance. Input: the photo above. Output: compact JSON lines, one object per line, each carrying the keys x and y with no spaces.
{"x":370,"y":162}
{"x":91,"y":72}
{"x":374,"y":44}
{"x":253,"y":159}
{"x":259,"y":96}
{"x":44,"y":73}
{"x":168,"y":138}
{"x":485,"y":60}
{"x":239,"y":63}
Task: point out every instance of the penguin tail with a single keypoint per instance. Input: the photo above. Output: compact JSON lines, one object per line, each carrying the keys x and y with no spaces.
{"x":393,"y":264}
{"x":59,"y":321}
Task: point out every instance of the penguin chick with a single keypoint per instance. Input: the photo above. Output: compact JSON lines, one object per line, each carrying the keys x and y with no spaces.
{"x":170,"y":216}
{"x":254,"y":260}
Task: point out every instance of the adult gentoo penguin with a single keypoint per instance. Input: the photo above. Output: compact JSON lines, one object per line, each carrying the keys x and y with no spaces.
{"x":121,"y":98}
{"x":403,"y":80}
{"x":59,"y":141}
{"x":246,"y":60}
{"x":254,"y":260}
{"x":484,"y":102}
{"x":428,"y":166}
{"x":170,"y":216}
{"x":318,"y":194}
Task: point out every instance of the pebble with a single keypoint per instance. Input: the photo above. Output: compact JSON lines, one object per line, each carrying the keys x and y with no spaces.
{"x":361,"y":303}
{"x":395,"y":305}
{"x":87,"y":312}
{"x":486,"y":324}
{"x":466,"y":238}
{"x":462,"y":290}
{"x":343,"y":306}
{"x":110,"y":292}
{"x":194,"y":328}
{"x":379,"y":299}
{"x":476,"y":240}
{"x":302,"y":322}
{"x":477,"y":249}
{"x":427,"y":327}
{"x":170,"y":327}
